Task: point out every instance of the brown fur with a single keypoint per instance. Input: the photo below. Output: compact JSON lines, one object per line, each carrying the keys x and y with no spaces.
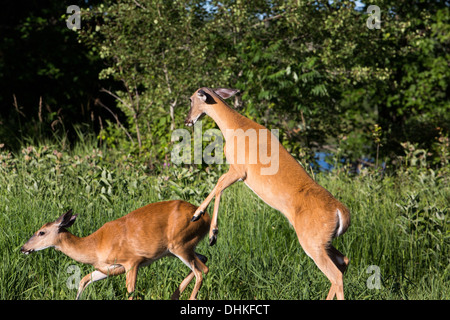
{"x":134,"y":240}
{"x":310,"y":208}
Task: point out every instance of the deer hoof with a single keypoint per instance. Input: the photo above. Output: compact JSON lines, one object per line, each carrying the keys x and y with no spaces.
{"x":213,"y":238}
{"x":196,"y":217}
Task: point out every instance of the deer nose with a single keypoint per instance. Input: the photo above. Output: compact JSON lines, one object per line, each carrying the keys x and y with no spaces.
{"x":25,"y":251}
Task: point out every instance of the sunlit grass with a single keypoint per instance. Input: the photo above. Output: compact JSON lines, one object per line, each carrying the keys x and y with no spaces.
{"x":399,"y":224}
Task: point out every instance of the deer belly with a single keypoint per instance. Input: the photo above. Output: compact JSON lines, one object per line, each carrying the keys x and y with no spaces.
{"x":269,"y":196}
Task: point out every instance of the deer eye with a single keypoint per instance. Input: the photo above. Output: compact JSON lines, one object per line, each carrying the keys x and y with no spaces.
{"x":41,"y":233}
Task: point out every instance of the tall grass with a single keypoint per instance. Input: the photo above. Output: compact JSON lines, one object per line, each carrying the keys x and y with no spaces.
{"x":400,"y":224}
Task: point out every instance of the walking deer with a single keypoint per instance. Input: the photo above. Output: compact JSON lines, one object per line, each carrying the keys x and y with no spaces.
{"x":315,"y":214}
{"x":130,"y":242}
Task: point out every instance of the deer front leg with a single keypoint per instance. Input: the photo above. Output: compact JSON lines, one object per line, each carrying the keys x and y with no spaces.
{"x":214,"y":228}
{"x":97,"y":275}
{"x":202,"y":208}
{"x":88,"y":279}
{"x":224,"y":182}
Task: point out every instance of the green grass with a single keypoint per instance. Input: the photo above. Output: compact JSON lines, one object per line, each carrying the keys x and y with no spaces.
{"x":399,"y":224}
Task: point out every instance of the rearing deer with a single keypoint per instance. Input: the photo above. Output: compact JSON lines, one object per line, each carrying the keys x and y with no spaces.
{"x":315,"y":214}
{"x":130,"y":242}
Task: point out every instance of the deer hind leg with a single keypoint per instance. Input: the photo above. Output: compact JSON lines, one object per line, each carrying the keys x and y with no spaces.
{"x":341,"y":262}
{"x":198,"y":268}
{"x":327,"y":258}
{"x":182,"y":286}
{"x":194,"y":262}
{"x":131,"y":278}
{"x":326,"y":264}
{"x":188,"y":279}
{"x":338,"y":258}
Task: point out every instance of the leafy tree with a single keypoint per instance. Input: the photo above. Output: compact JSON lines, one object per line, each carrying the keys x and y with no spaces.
{"x":312,"y":69}
{"x":150,"y":48}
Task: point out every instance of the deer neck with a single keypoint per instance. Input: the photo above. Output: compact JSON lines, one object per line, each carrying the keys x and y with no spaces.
{"x":79,"y":249}
{"x":225,"y":117}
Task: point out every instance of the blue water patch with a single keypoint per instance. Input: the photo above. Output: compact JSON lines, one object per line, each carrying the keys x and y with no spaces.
{"x":320,"y":158}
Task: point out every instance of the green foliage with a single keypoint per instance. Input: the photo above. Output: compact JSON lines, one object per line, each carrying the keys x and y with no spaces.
{"x":191,"y":184}
{"x":426,"y":226}
{"x":311,"y":69}
{"x":151,"y":51}
{"x":399,"y":223}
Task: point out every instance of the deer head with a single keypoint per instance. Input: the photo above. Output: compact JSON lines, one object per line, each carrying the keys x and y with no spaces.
{"x":203,"y":99}
{"x":48,"y":235}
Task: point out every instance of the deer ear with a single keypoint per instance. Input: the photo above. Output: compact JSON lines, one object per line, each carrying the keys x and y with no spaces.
{"x":226,"y":93}
{"x":66,"y":220}
{"x":202,"y":95}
